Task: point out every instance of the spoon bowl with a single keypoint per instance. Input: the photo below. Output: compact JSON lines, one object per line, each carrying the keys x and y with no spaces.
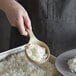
{"x":34,"y":40}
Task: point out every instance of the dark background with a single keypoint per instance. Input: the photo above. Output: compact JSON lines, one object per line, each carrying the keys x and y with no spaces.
{"x":4,"y":32}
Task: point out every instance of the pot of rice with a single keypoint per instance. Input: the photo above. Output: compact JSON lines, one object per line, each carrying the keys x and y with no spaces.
{"x":17,"y":64}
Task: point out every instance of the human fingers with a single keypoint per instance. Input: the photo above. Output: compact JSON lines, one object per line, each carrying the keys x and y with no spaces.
{"x":21,"y":27}
{"x":27,"y":21}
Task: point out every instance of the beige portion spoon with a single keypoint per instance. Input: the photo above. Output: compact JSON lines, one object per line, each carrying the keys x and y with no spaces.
{"x":34,"y":40}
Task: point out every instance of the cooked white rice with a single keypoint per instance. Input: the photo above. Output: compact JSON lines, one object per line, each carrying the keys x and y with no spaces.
{"x":72,"y":64}
{"x":36,"y":52}
{"x":19,"y":65}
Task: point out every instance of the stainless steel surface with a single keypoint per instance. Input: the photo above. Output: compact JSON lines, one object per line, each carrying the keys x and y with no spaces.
{"x":7,"y":53}
{"x":11,"y":51}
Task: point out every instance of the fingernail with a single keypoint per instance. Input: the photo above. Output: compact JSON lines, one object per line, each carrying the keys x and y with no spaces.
{"x":24,"y":34}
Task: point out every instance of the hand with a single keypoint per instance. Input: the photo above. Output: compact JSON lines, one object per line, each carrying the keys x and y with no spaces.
{"x":17,"y":16}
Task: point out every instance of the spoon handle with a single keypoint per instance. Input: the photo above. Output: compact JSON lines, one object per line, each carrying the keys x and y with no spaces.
{"x":31,"y":35}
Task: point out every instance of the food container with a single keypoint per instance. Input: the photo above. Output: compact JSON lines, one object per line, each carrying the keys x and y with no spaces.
{"x":7,"y":53}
